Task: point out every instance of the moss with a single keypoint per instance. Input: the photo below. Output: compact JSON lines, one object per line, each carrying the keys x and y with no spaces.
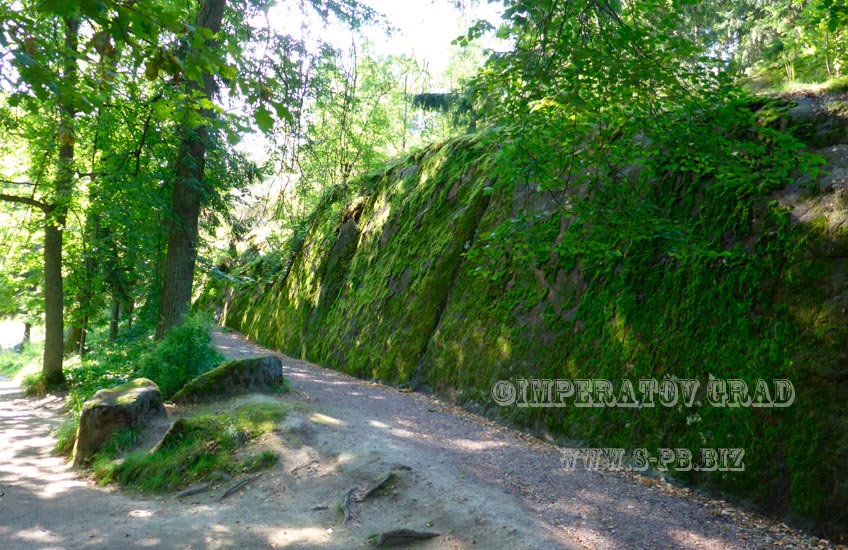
{"x":238,"y":376}
{"x":424,"y":276}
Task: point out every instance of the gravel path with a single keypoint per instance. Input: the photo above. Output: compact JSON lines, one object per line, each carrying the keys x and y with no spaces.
{"x":479,"y":484}
{"x":603,"y":510}
{"x":44,"y":505}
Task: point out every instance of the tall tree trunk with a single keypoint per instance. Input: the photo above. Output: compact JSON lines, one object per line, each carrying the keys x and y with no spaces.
{"x":53,"y":324}
{"x":55,"y":216}
{"x":129,"y":307}
{"x":186,"y":197}
{"x":114,"y":319}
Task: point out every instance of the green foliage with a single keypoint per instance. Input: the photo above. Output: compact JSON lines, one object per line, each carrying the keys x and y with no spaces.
{"x":103,"y":170}
{"x":184,"y":353}
{"x":412,"y":200}
{"x":195,"y":447}
{"x":776,"y":41}
{"x":34,"y":385}
{"x":670,"y":261}
{"x":107,"y":367}
{"x":13,"y":361}
{"x":66,"y":434}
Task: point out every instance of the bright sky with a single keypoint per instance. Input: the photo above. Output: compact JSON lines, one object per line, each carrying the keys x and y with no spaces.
{"x":427,"y":27}
{"x":424,"y":28}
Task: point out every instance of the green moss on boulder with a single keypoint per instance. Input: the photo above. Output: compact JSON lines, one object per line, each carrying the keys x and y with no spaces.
{"x":128,"y":406}
{"x":236,"y":377}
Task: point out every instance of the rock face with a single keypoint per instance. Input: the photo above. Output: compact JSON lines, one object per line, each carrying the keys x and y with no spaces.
{"x":416,"y":279}
{"x":256,"y":374}
{"x":130,"y":405}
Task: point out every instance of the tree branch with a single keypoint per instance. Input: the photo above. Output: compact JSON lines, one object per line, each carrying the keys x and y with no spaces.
{"x":25,"y":200}
{"x":30,"y":184}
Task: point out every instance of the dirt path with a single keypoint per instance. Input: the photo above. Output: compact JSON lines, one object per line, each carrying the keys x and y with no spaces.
{"x":603,"y":510}
{"x":480,"y":485}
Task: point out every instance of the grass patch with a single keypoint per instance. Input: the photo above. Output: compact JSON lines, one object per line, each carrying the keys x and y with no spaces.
{"x":66,"y":435}
{"x":837,"y":84}
{"x":193,"y":449}
{"x":12,"y":362}
{"x":262,"y":461}
{"x":764,"y":84}
{"x":34,"y":385}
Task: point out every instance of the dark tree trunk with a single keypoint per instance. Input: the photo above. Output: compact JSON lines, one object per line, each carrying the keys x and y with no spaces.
{"x":129,"y":307}
{"x":53,"y":324}
{"x":27,"y":333}
{"x":186,"y":198}
{"x":114,"y":319}
{"x":55,"y":216}
{"x":182,"y":241}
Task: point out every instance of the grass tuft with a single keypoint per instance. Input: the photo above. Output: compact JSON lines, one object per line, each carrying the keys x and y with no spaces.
{"x":193,"y":449}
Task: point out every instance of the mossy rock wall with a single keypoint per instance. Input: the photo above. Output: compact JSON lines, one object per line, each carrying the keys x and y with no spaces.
{"x":397,"y":283}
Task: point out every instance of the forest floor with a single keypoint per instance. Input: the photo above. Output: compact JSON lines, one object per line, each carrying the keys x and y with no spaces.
{"x":478,"y":484}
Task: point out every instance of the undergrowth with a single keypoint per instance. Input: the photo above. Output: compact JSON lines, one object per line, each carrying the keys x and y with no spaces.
{"x":194,"y":449}
{"x":184,"y":353}
{"x":14,"y":361}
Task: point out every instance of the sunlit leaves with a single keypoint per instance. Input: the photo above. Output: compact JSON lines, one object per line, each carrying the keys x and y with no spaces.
{"x":478,"y":29}
{"x":264,"y":119}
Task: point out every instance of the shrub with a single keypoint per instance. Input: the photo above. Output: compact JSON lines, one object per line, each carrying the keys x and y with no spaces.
{"x":184,"y":353}
{"x":34,"y":385}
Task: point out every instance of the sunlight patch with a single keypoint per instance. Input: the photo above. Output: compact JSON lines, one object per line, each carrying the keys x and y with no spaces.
{"x":319,"y":418}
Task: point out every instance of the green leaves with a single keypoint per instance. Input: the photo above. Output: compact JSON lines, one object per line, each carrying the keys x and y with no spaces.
{"x":478,"y":29}
{"x":263,"y":119}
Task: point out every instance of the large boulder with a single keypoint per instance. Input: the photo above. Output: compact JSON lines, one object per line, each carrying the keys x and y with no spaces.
{"x":239,"y":376}
{"x":129,"y":406}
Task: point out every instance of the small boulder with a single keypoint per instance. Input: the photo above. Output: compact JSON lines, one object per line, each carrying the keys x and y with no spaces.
{"x":130,"y":405}
{"x":239,"y":376}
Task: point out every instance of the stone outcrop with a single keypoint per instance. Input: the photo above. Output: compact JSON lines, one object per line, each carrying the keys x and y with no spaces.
{"x":438,"y":274}
{"x":129,"y":406}
{"x":256,"y":374}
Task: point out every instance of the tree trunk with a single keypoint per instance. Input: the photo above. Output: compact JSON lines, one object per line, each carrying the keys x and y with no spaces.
{"x":72,"y":340}
{"x":27,"y":333}
{"x":55,"y":216}
{"x":129,"y":307}
{"x":186,"y":197}
{"x":115,"y":318}
{"x":53,"y":324}
{"x":83,"y":336}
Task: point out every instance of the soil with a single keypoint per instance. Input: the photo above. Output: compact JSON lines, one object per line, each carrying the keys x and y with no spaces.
{"x":478,"y":484}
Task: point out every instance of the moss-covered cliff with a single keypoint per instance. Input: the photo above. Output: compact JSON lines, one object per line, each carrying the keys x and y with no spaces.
{"x":435,"y":274}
